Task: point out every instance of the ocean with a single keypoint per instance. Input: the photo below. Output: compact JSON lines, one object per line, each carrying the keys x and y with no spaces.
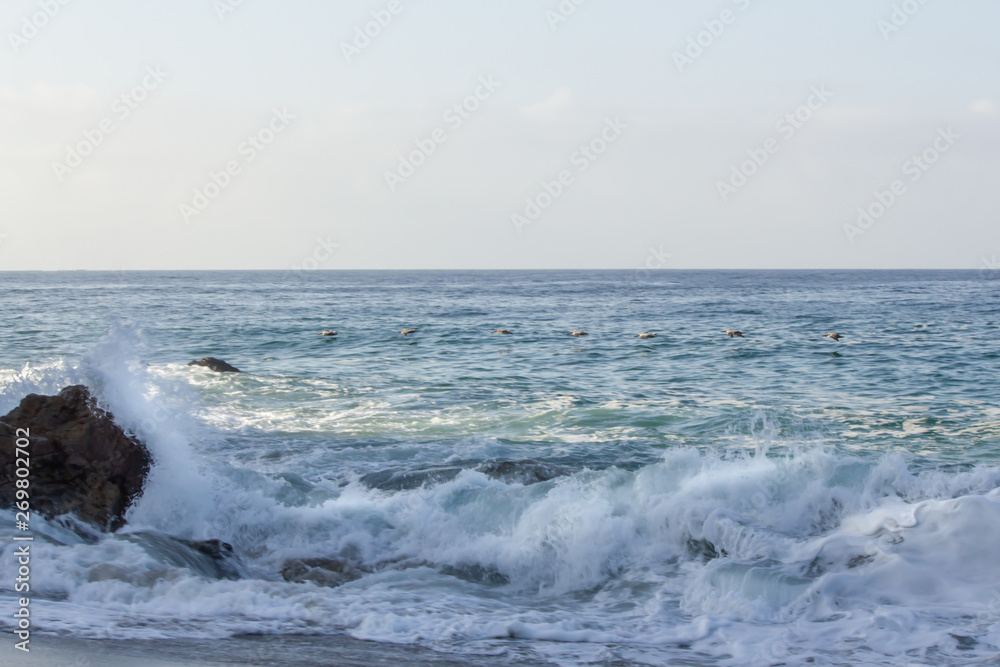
{"x":533,"y":498}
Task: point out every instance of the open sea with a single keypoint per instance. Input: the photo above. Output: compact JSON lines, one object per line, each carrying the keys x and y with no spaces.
{"x":534,"y":498}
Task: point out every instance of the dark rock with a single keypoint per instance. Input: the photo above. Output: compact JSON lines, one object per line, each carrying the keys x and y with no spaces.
{"x":217,"y":365}
{"x":213,"y":559}
{"x":477,"y":574}
{"x":512,"y":472}
{"x":522,"y":472}
{"x":348,"y":566}
{"x":81,"y":462}
{"x":405,"y":480}
{"x":321,"y":571}
{"x":226,"y":563}
{"x":704,"y":550}
{"x":215,"y":549}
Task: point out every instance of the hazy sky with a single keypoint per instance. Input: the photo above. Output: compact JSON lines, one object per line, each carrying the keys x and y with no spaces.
{"x":226,"y":134}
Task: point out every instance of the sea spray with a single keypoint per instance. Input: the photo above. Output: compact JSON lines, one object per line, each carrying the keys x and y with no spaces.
{"x":759,"y":501}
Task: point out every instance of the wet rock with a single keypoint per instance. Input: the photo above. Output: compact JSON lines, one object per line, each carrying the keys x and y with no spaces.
{"x":478,"y":574}
{"x":214,"y":549}
{"x":521,"y":472}
{"x":512,"y":472}
{"x":405,"y":480}
{"x":81,"y":462}
{"x":213,"y":559}
{"x":329,"y":572}
{"x":217,"y":365}
{"x":704,"y":550}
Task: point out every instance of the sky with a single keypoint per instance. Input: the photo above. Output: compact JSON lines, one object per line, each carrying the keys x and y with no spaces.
{"x":513,"y":134}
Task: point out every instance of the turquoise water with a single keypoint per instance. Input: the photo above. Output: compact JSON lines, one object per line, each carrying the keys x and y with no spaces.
{"x":778,"y":498}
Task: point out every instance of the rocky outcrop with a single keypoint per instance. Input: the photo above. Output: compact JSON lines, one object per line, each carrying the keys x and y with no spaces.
{"x":333,"y":572}
{"x":330,"y":572}
{"x":81,"y":462}
{"x":522,"y":472}
{"x":213,"y":559}
{"x":217,"y":365}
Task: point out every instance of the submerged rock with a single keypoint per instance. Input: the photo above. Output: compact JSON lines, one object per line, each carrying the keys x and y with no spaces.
{"x":348,"y":566}
{"x":406,"y":480}
{"x":213,"y":559}
{"x":328,"y":572}
{"x":522,"y":472}
{"x":512,"y":472}
{"x":217,"y":365}
{"x":704,"y":550}
{"x":477,"y":574}
{"x":80,"y":461}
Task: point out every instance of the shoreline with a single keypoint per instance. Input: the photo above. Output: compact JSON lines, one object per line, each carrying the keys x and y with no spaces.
{"x":274,"y":650}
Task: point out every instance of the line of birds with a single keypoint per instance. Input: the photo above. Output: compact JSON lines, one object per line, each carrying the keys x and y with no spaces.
{"x":732,"y":333}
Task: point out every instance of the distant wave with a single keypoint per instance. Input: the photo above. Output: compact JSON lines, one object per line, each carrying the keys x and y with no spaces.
{"x":800,"y":555}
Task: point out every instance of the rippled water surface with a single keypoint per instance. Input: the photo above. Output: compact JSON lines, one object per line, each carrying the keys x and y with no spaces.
{"x":775,"y":499}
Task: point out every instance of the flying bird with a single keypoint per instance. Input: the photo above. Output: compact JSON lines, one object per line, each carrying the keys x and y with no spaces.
{"x":733,"y":332}
{"x":327,"y":332}
{"x":407,"y":332}
{"x":577,"y":333}
{"x":834,"y":336}
{"x":645,"y":334}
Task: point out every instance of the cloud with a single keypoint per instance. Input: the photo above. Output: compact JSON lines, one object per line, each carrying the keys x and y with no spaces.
{"x":549,"y":109}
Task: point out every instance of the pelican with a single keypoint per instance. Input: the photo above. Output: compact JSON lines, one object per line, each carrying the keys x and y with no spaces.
{"x":577,"y":333}
{"x":645,"y":334}
{"x":834,"y":336}
{"x":327,"y":332}
{"x":407,"y":332}
{"x":502,"y":331}
{"x":733,"y":332}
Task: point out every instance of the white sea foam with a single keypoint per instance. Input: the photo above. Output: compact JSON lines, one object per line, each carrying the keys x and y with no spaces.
{"x":813,"y":556}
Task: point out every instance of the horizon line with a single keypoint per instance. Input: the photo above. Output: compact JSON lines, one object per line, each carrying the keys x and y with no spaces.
{"x":317,"y":270}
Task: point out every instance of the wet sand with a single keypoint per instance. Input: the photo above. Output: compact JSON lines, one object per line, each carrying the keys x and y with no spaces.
{"x":277,"y":651}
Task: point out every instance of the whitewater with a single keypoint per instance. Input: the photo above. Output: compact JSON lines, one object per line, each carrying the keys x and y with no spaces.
{"x":536,"y":498}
